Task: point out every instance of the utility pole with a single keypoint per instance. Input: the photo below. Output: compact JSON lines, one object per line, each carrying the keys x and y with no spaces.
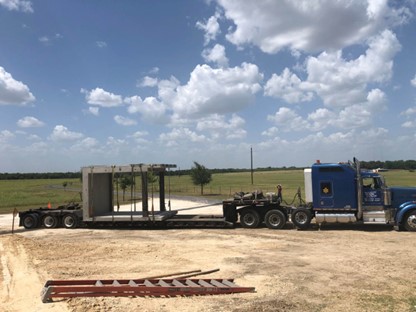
{"x":251,"y":156}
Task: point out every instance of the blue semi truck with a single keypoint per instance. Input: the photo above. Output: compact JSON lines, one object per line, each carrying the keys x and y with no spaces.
{"x":334,"y":193}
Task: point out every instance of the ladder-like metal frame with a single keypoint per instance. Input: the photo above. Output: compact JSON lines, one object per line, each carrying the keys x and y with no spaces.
{"x":139,"y":288}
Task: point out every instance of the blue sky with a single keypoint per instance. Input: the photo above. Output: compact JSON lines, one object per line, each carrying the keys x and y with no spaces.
{"x":119,"y":82}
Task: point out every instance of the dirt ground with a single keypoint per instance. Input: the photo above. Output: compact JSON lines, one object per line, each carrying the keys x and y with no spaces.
{"x":338,"y":268}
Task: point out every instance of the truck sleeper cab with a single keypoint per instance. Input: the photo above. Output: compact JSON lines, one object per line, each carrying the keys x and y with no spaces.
{"x":343,"y":193}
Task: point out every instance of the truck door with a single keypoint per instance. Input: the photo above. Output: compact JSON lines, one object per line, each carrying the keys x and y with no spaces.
{"x":372,"y":192}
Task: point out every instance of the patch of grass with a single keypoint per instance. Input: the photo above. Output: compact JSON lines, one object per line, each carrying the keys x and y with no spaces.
{"x":25,"y":194}
{"x":412,"y":304}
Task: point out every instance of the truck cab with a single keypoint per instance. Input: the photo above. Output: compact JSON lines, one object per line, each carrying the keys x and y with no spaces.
{"x":344,"y":193}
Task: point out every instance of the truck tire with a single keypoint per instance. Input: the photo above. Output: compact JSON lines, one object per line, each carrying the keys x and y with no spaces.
{"x":301,"y":218}
{"x":249,"y":218}
{"x":30,"y":221}
{"x":70,"y":221}
{"x":275,"y":219}
{"x":50,"y":221}
{"x":409,"y":221}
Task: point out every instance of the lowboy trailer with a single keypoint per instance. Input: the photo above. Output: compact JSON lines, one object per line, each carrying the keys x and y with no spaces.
{"x":335,"y":193}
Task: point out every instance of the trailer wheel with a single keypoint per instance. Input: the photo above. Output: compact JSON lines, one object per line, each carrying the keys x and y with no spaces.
{"x":30,"y":221}
{"x":410,"y":221}
{"x":50,"y":221}
{"x":249,"y":218}
{"x":70,"y":221}
{"x":301,"y":218}
{"x":275,"y":219}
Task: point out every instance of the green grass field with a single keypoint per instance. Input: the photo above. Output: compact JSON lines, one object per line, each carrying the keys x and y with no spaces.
{"x":25,"y":194}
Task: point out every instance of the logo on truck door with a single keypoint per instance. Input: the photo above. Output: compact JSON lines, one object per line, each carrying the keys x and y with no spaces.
{"x":326,"y":189}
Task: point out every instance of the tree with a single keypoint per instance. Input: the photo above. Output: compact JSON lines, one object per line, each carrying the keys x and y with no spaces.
{"x":200,"y":176}
{"x":125,"y":182}
{"x":65,"y":184}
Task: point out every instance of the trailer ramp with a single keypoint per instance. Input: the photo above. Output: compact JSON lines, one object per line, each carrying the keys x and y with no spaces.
{"x":139,"y":288}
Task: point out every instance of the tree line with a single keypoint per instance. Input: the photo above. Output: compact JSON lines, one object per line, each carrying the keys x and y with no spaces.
{"x":396,"y":164}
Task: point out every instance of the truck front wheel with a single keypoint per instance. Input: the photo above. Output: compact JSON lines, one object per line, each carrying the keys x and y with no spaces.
{"x":249,"y":218}
{"x":301,"y":218}
{"x":275,"y":219}
{"x":410,"y":221}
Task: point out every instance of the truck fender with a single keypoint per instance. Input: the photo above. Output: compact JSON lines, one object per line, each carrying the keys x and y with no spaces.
{"x":406,"y":203}
{"x":404,"y":209}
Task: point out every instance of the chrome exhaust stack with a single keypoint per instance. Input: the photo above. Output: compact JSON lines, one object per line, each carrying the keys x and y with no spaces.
{"x":359,"y":189}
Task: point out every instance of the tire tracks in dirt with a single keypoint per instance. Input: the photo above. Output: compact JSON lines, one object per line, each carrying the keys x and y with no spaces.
{"x":21,"y":283}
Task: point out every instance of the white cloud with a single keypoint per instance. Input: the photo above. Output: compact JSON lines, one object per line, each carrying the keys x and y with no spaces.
{"x":410,"y":111}
{"x":297,"y":25}
{"x":288,"y":120}
{"x":94,"y":110}
{"x":220,"y":128}
{"x":154,"y":70}
{"x":5,"y":135}
{"x":413,"y":81}
{"x":287,"y":86}
{"x":101,"y":44}
{"x":13,"y":92}
{"x":339,"y":82}
{"x":409,"y":124}
{"x":216,"y":91}
{"x":178,"y":135}
{"x":61,"y":133}
{"x":124,"y":121}
{"x":150,"y":109}
{"x":139,"y":137}
{"x":271,"y":132}
{"x":148,"y":82}
{"x":320,"y":119}
{"x":211,"y":28}
{"x":102,"y":98}
{"x":216,"y":55}
{"x":30,"y":122}
{"x":86,"y":144}
{"x":47,"y":40}
{"x":17,"y":5}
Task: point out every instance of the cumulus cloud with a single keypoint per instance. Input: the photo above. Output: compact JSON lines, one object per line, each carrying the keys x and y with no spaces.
{"x":101,"y":44}
{"x":287,"y":86}
{"x":48,"y":40}
{"x":13,"y":92}
{"x":217,"y":91}
{"x":94,"y":110}
{"x":341,"y":84}
{"x":148,"y":82}
{"x":413,"y":81}
{"x":30,"y":122}
{"x":5,"y":135}
{"x":139,"y":137}
{"x":150,"y":108}
{"x":219,"y":127}
{"x":211,"y":28}
{"x":178,"y":135}
{"x":298,"y":26}
{"x":62,"y":133}
{"x":124,"y":121}
{"x":17,"y":5}
{"x":103,"y":98}
{"x":288,"y":120}
{"x":216,"y":55}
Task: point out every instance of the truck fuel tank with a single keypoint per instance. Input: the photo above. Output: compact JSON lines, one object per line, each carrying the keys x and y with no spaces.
{"x":335,"y":218}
